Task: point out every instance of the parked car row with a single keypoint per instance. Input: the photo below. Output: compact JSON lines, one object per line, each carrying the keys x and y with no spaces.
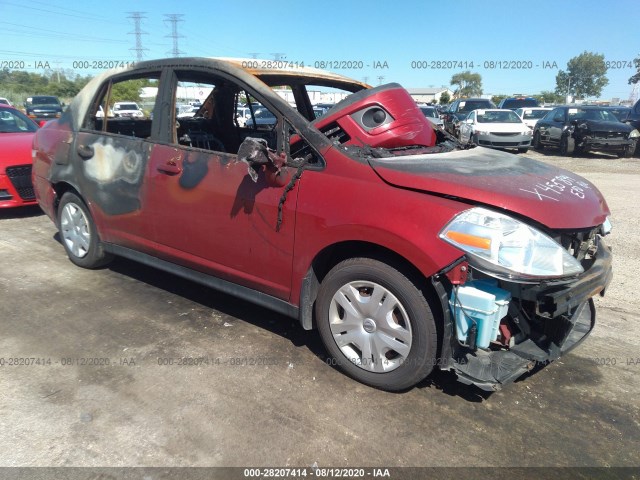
{"x":315,"y":217}
{"x":581,"y":129}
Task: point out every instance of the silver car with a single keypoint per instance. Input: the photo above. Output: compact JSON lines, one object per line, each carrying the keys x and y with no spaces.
{"x":432,"y":115}
{"x":531,"y":115}
{"x":495,"y":128}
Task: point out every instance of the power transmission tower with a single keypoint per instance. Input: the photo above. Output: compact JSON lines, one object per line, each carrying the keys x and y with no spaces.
{"x":380,"y":78}
{"x":174,"y":18}
{"x":137,"y":18}
{"x":254,"y":54}
{"x":277,"y":55}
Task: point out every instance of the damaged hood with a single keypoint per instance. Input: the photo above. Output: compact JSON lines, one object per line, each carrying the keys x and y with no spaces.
{"x":551,"y":196}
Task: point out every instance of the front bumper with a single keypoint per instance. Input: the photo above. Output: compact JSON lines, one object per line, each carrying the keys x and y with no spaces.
{"x":504,"y":141}
{"x":16,"y":189}
{"x":604,"y":144}
{"x":561,"y":316}
{"x":46,"y":116}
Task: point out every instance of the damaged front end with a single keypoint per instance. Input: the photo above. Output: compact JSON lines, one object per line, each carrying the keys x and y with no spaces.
{"x":508,"y":306}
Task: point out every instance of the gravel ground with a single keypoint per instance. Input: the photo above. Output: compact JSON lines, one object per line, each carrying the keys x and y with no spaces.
{"x":291,"y":408}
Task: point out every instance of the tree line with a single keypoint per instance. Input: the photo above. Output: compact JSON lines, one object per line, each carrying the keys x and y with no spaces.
{"x":17,"y":85}
{"x":585,"y":76}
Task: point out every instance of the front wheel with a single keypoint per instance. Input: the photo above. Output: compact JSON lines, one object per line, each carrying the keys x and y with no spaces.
{"x":78,"y":233}
{"x":376,"y":324}
{"x":567,"y":146}
{"x":537,"y":144}
{"x":628,"y":151}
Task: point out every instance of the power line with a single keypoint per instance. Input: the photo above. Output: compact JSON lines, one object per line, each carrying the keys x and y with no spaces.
{"x":55,"y":34}
{"x":85,"y":17}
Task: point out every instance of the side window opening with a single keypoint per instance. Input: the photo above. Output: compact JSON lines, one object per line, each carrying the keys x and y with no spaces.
{"x":224,"y":114}
{"x":124,"y":106}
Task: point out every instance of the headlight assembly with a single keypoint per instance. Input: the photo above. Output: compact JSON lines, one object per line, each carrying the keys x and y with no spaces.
{"x":507,"y":248}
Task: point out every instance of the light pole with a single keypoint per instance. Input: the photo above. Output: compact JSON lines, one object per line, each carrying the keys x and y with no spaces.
{"x":568,"y":88}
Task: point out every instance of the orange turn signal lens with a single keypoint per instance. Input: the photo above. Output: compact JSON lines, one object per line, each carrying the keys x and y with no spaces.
{"x":469,"y":240}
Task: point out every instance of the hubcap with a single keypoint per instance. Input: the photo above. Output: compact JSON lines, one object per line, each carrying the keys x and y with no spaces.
{"x":370,"y":326}
{"x":74,"y":229}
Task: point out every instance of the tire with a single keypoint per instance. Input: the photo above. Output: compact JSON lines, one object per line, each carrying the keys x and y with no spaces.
{"x":392,"y":347}
{"x":523,"y":150}
{"x":628,"y":151}
{"x":78,"y":233}
{"x":536,"y":144}
{"x":567,"y":146}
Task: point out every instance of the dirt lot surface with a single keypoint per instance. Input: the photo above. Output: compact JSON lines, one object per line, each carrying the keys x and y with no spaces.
{"x":104,"y":399}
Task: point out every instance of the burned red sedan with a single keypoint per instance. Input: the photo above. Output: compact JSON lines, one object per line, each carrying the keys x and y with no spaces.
{"x":16,"y":137}
{"x":403,"y":248}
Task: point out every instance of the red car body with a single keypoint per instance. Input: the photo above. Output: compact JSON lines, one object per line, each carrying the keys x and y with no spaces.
{"x":368,"y":193}
{"x":16,"y":137}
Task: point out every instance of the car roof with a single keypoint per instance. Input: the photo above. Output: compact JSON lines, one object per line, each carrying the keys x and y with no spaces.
{"x":225,"y":66}
{"x":287,"y":69}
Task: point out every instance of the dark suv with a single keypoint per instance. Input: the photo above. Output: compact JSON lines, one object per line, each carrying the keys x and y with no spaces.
{"x":43,"y":107}
{"x":405,"y":249}
{"x":459,"y":109}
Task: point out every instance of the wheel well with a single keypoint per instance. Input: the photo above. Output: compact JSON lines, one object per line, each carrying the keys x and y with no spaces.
{"x":330,"y":256}
{"x":61,"y":188}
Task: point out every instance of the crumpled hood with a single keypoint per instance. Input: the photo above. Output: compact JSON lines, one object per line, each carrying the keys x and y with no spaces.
{"x":551,"y":196}
{"x":601,"y":126}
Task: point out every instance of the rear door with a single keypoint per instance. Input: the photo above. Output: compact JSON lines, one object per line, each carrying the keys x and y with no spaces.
{"x":112,"y":156}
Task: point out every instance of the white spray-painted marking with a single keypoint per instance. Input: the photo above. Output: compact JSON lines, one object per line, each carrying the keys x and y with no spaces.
{"x":558,"y":185}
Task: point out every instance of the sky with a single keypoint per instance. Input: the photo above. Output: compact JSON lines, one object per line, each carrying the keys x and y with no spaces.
{"x":517,"y":46}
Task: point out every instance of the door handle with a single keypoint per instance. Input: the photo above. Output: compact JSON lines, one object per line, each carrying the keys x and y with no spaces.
{"x":85,"y":151}
{"x":170,"y":168}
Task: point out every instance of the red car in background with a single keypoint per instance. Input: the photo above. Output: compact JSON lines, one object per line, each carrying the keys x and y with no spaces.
{"x":16,"y":137}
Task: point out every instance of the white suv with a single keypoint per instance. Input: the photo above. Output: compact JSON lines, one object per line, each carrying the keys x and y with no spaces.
{"x":127,"y":109}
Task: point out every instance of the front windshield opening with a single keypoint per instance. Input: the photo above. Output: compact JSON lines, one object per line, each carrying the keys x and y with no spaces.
{"x":429,"y":112}
{"x":44,"y":101}
{"x":470,"y":106}
{"x":15,"y":122}
{"x":498,"y":117}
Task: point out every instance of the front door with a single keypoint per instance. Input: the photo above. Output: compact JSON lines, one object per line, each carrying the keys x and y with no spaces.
{"x":209,"y":214}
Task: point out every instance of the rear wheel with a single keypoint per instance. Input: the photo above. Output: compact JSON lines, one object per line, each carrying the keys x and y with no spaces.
{"x":78,"y":233}
{"x":376,"y":324}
